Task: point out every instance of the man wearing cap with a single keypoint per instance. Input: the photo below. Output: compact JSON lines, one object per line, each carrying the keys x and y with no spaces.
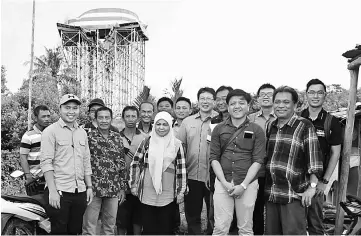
{"x":94,"y":105}
{"x":65,"y":162}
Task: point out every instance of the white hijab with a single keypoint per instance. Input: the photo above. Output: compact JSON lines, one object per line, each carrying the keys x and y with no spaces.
{"x":162,"y":151}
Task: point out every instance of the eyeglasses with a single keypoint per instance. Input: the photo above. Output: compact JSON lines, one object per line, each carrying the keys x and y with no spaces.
{"x":221,"y":99}
{"x":92,"y":110}
{"x":270,"y":94}
{"x":206,"y":99}
{"x":313,"y":93}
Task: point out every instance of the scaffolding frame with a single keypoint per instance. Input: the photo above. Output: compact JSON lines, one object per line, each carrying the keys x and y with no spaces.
{"x":107,"y":63}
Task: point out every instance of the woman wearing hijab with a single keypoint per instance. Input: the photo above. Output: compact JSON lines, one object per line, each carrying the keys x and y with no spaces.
{"x":158,"y":176}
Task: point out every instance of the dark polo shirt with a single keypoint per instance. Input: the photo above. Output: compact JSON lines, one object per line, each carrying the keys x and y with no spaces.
{"x":241,"y":153}
{"x":335,"y":137}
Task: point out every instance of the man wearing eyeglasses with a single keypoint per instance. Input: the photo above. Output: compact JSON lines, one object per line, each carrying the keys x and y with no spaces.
{"x":195,"y":133}
{"x":263,"y":117}
{"x":331,"y":147}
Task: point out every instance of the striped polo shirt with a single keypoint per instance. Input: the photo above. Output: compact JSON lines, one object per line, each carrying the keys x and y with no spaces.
{"x":30,"y":146}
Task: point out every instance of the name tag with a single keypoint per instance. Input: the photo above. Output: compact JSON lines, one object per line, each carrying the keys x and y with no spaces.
{"x":320,"y":133}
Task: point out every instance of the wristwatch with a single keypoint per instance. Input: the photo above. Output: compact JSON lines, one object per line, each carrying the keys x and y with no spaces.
{"x":313,"y":185}
{"x":324,"y":181}
{"x":244,"y":186}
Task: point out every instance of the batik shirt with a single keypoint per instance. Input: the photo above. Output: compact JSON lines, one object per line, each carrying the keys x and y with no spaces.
{"x":107,"y":162}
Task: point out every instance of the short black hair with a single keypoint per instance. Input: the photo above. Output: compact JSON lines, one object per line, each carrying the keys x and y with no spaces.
{"x":286,"y":89}
{"x":40,"y":108}
{"x":206,"y":90}
{"x":184,"y":99}
{"x":165,"y":99}
{"x":313,"y":82}
{"x":239,"y":92}
{"x":264,"y":86}
{"x":146,"y":102}
{"x":223,"y":87}
{"x":104,"y":109}
{"x":130,"y":108}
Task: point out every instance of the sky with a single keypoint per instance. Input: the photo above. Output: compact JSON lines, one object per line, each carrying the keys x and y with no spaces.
{"x":242,"y":44}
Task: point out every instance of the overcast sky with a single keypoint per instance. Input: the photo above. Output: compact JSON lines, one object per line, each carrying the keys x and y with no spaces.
{"x":209,"y":43}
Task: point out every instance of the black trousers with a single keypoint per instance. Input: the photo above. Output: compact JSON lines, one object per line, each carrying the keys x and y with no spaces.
{"x":69,"y":218}
{"x":158,"y":220}
{"x":193,"y":204}
{"x":286,"y":219}
{"x":258,"y":212}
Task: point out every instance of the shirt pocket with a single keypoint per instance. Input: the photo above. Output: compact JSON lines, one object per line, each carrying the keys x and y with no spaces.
{"x":245,"y":143}
{"x":62,"y":144}
{"x":82,"y":146}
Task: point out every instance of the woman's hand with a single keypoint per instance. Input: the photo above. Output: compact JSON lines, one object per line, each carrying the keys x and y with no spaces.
{"x":134,"y":191}
{"x":180,"y":198}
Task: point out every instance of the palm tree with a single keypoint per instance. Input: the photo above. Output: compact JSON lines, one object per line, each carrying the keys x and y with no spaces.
{"x":176,"y":91}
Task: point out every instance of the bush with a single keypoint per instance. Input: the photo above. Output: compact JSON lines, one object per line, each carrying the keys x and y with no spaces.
{"x":9,"y":163}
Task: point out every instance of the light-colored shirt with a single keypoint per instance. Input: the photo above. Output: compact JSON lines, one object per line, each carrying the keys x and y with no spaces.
{"x":150,"y":197}
{"x":194,"y":133}
{"x":176,"y":127}
{"x":30,"y":146}
{"x":262,"y":121}
{"x":66,"y":152}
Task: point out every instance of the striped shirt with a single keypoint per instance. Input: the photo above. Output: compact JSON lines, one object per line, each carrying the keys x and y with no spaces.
{"x":30,"y":146}
{"x":293,"y":154}
{"x":140,"y":164}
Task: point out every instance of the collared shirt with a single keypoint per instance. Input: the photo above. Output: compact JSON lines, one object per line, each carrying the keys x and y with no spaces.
{"x":293,"y":154}
{"x":65,"y":151}
{"x":176,"y":127}
{"x":248,"y":147}
{"x":262,"y":121}
{"x":217,"y":119}
{"x":140,"y":127}
{"x":107,"y":162}
{"x":130,"y":146}
{"x":140,"y":164}
{"x":30,"y":146}
{"x":90,"y":126}
{"x":193,"y":133}
{"x":335,"y":137}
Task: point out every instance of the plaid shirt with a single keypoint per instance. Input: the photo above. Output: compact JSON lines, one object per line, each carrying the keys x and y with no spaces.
{"x":293,"y":154}
{"x":140,"y":163}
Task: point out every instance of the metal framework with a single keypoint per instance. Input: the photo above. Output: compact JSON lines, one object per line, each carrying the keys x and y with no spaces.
{"x":107,"y":63}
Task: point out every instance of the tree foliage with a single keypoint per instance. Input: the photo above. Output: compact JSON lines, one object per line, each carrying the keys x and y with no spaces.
{"x":176,"y":90}
{"x":4,"y":88}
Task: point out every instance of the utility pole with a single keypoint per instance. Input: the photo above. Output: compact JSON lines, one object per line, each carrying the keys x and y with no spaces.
{"x":31,"y":67}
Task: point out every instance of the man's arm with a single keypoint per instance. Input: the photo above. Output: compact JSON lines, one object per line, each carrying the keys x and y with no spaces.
{"x":215,"y":158}
{"x":87,"y":172}
{"x":25,"y":147}
{"x":25,"y":166}
{"x":335,"y":156}
{"x":47,"y":156}
{"x":313,"y":156}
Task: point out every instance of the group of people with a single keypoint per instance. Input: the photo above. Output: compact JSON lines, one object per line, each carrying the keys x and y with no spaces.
{"x":263,"y":173}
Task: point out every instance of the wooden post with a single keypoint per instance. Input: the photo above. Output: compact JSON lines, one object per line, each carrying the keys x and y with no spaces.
{"x":359,"y":153}
{"x":31,"y":67}
{"x":345,"y":167}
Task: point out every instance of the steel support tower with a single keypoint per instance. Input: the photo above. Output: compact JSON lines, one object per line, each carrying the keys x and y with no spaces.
{"x":107,"y":60}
